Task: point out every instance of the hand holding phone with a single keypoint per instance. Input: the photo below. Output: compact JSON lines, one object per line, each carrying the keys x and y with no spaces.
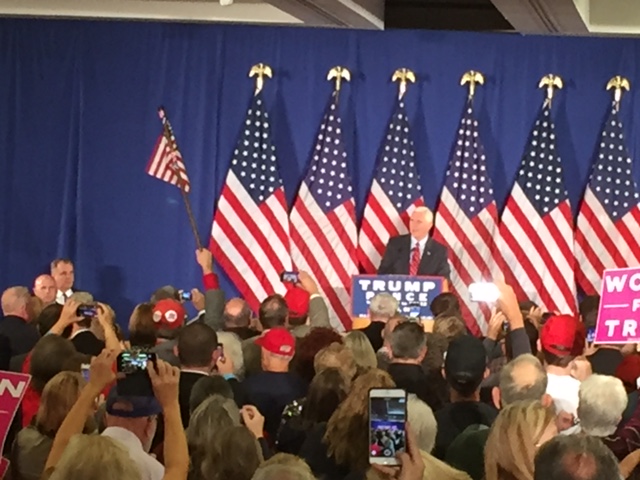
{"x":87,"y":310}
{"x":185,"y":295}
{"x":387,"y":425}
{"x":290,"y":277}
{"x":133,"y":377}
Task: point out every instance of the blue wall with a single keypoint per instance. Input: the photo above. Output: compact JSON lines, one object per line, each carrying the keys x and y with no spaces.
{"x":78,"y":122}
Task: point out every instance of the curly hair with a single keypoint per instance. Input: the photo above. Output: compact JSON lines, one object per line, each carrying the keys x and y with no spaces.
{"x":347,"y":436}
{"x":307,"y":348}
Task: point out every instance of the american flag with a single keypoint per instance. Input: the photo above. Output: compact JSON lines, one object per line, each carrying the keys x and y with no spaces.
{"x":250,"y":233}
{"x":395,"y":192}
{"x":467,"y":219}
{"x":166,"y":161}
{"x":608,"y":228}
{"x":323,"y":224}
{"x":537,"y":226}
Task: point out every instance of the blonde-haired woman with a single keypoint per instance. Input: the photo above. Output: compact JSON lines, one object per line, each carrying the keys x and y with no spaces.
{"x":361,"y":348}
{"x":341,"y":446}
{"x":33,"y":443}
{"x":520,"y":429}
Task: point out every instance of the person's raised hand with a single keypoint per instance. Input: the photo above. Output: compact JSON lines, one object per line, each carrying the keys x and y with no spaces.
{"x":69,"y":314}
{"x":165,"y":380}
{"x":507,"y":303}
{"x":411,"y":463}
{"x":495,"y":324}
{"x":105,"y":315}
{"x":535,"y":316}
{"x":205,"y":260}
{"x":101,"y":371}
{"x":306,"y":282}
{"x":581,"y":368}
{"x":197,"y":299}
{"x":253,"y":420}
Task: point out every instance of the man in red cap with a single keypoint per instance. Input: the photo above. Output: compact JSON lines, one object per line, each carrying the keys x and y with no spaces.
{"x":307,"y":308}
{"x":168,"y":316}
{"x":562,"y":340}
{"x":275,"y":387}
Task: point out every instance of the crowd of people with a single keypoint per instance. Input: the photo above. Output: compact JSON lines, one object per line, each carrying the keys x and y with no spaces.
{"x":280,"y":395}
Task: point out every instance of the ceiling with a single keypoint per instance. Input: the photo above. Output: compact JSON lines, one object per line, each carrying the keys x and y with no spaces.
{"x":575,"y":17}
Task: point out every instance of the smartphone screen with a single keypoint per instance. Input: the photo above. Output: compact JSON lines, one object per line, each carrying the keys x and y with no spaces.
{"x":87,"y":311}
{"x":387,"y":425}
{"x":591,"y":334}
{"x":484,"y":292}
{"x":133,"y":378}
{"x":185,"y":296}
{"x":84,"y":368}
{"x":290,"y":277}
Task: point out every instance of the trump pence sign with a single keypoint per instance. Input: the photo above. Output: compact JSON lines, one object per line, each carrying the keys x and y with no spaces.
{"x":413,"y":293}
{"x":619,"y":313}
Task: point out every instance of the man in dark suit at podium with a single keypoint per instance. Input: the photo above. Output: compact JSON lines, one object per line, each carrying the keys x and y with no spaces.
{"x":416,"y":253}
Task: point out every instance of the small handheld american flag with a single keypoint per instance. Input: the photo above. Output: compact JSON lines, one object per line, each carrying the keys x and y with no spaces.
{"x":166,"y":161}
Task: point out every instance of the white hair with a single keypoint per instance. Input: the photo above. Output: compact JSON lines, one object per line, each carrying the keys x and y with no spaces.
{"x":428,"y":214}
{"x":602,"y":401}
{"x":232,"y":348}
{"x":423,"y":422}
{"x":282,"y":472}
{"x":81,"y":297}
{"x":383,"y":305}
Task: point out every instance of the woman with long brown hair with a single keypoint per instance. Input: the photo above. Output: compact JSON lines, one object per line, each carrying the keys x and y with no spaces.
{"x":341,"y":446}
{"x":520,"y":429}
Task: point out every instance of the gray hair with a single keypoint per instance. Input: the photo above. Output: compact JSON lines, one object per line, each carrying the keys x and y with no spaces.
{"x":81,"y":297}
{"x":517,"y":382}
{"x":423,"y":422}
{"x":602,"y":401}
{"x":207,"y":421}
{"x":282,"y":472}
{"x":383,"y":305}
{"x":408,"y":341}
{"x":232,"y":348}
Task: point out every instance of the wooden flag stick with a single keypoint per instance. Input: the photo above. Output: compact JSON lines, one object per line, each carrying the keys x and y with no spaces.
{"x":168,"y":131}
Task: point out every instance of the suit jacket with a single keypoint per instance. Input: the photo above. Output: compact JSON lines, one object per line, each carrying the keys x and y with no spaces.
{"x":88,"y":344}
{"x":214,"y":301}
{"x":187,"y":381}
{"x":5,"y":353}
{"x":396,"y":257}
{"x":21,"y":336}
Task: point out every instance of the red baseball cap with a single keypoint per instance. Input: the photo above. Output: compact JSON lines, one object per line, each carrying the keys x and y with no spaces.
{"x":168,"y":314}
{"x":563,"y":335}
{"x":629,"y":370}
{"x":278,"y":341}
{"x":297,"y":300}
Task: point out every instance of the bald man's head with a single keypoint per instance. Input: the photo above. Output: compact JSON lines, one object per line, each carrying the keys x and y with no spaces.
{"x":237,"y":313}
{"x":420,"y":222}
{"x":522,"y":379}
{"x":15,"y":301}
{"x":45,"y":288}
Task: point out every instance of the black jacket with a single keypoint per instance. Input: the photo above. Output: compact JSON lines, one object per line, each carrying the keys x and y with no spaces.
{"x":434,"y":261}
{"x":21,"y":335}
{"x":88,"y":344}
{"x":413,"y":379}
{"x":187,"y":381}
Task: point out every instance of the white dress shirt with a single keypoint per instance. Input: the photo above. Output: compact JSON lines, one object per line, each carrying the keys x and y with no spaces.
{"x":61,"y":297}
{"x":421,"y":243}
{"x":150,"y":468}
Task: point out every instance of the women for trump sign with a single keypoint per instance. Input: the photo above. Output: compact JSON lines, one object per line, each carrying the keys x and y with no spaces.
{"x":619,"y":307}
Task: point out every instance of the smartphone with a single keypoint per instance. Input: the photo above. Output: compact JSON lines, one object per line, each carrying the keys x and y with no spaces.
{"x":84,"y":369}
{"x":591,"y":334}
{"x":87,"y":310}
{"x":290,"y":277}
{"x":415,"y":311}
{"x":133,"y":377}
{"x":387,"y":425}
{"x":185,"y":296}
{"x":484,"y":292}
{"x":505,"y":326}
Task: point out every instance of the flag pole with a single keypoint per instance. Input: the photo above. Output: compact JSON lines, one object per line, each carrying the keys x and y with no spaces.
{"x":168,"y":131}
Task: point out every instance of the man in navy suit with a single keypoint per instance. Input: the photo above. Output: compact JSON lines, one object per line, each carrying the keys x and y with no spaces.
{"x":416,"y":253}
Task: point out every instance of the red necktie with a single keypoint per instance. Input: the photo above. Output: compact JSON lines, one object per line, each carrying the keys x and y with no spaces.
{"x":414,"y":262}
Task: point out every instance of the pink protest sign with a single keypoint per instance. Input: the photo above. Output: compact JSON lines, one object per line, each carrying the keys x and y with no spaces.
{"x":12,"y":388}
{"x":619,"y":314}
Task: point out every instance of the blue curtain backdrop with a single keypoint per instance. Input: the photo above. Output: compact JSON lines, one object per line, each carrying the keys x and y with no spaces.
{"x":78,"y":122}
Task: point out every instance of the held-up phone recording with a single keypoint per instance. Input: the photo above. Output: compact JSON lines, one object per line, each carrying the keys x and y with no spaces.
{"x":591,"y":334}
{"x":387,"y":425}
{"x":484,"y":292}
{"x":87,"y":310}
{"x":290,"y":277}
{"x":185,"y":296}
{"x":85,"y":368}
{"x":133,"y":377}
